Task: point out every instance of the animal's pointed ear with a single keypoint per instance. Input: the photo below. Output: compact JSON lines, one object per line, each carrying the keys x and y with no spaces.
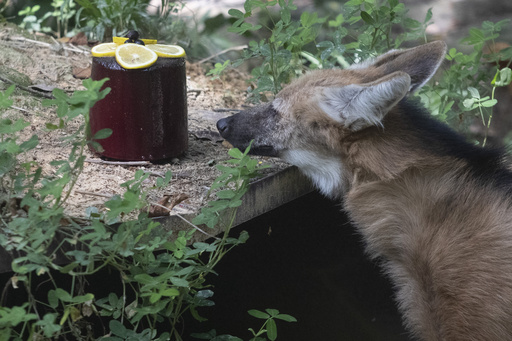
{"x":357,"y":106}
{"x":420,"y":63}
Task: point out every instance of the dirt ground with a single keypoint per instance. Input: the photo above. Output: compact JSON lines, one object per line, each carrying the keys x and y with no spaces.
{"x":40,"y":64}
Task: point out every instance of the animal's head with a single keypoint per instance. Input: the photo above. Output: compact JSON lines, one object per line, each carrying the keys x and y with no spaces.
{"x":310,"y":118}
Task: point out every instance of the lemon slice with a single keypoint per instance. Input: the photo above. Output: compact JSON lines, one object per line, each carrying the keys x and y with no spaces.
{"x":173,"y":51}
{"x":104,"y":50}
{"x":121,"y":40}
{"x":133,"y":56}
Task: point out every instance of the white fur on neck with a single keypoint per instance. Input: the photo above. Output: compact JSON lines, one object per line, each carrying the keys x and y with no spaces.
{"x":326,"y":172}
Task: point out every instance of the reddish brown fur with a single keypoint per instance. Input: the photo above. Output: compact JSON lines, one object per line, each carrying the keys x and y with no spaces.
{"x":427,"y":203}
{"x":445,"y":241}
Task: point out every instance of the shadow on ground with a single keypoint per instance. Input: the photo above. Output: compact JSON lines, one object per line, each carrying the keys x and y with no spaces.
{"x":305,"y":260}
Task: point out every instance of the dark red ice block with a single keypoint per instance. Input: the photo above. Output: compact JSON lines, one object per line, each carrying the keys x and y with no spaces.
{"x":146,"y":109}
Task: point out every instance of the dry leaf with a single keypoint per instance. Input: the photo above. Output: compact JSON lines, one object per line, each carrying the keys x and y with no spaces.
{"x":82,"y":73}
{"x":64,"y":40}
{"x":168,"y":201}
{"x":158,"y":210}
{"x":87,"y":309}
{"x":227,"y":144}
{"x":177,"y":199}
{"x":79,"y":39}
{"x":42,"y":87}
{"x":207,"y":135}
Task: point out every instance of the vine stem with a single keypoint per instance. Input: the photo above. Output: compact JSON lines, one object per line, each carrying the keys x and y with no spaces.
{"x":77,"y":168}
{"x":488,"y":125}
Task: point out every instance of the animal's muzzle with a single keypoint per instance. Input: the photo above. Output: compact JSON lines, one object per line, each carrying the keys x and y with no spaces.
{"x":244,"y":127}
{"x":222,"y":126}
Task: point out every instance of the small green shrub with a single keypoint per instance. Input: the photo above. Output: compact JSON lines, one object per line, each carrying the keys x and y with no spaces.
{"x":466,"y":88}
{"x":161,"y":273}
{"x":104,"y":19}
{"x":267,"y":331}
{"x":63,"y":12}
{"x":30,"y":21}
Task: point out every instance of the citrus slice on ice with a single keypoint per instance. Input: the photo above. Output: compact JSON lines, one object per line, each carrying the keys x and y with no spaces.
{"x":104,"y":50}
{"x":173,"y":51}
{"x":133,"y":56}
{"x":121,"y":40}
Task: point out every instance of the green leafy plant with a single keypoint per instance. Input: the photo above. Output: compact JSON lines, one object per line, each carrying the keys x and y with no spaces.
{"x":268,"y":331}
{"x":245,"y":169}
{"x":281,"y":52}
{"x":364,"y":29}
{"x":269,"y":327}
{"x":218,"y":69}
{"x":32,"y":209}
{"x":161,"y":273}
{"x":466,"y":89}
{"x":30,"y":21}
{"x":374,"y":22}
{"x":9,"y":147}
{"x":63,"y":12}
{"x":167,"y":24}
{"x":103,"y":19}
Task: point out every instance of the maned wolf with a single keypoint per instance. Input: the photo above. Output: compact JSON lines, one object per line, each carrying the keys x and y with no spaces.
{"x":435,"y":209}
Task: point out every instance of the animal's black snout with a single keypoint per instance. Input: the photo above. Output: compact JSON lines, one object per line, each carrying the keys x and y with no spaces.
{"x":222,"y":125}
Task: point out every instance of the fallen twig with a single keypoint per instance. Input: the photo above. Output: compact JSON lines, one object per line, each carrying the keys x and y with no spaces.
{"x":42,"y":43}
{"x":234,"y":48}
{"x":24,"y":88}
{"x":160,"y":174}
{"x":94,"y":194}
{"x":20,"y":109}
{"x":188,"y":222}
{"x":120,"y":163}
{"x":226,"y":110}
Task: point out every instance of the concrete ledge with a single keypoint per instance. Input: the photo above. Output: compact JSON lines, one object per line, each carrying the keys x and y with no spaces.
{"x":263,"y":196}
{"x":271,"y":192}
